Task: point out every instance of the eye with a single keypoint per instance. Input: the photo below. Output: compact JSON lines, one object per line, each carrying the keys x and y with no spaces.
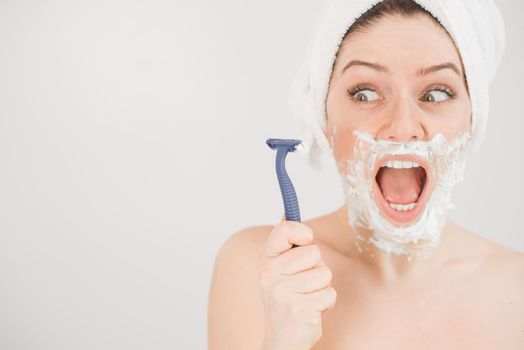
{"x":440,"y":94}
{"x":362,"y":93}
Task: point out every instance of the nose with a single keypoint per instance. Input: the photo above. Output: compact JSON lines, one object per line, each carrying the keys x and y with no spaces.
{"x":403,"y":122}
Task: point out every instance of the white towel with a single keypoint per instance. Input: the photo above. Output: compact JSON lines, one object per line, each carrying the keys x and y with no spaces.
{"x":476,"y":26}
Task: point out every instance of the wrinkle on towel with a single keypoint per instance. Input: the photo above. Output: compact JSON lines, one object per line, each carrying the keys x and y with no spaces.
{"x":476,"y":26}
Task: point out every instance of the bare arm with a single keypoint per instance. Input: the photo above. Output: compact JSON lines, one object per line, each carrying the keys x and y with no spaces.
{"x":235,"y":310}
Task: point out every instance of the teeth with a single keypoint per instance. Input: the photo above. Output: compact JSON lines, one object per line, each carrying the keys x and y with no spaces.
{"x":399,"y":164}
{"x":402,"y":207}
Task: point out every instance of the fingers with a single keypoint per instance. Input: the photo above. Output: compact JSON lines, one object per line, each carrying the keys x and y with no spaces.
{"x":311,"y":280}
{"x":322,"y":299}
{"x":297,"y":260}
{"x":284,"y":234}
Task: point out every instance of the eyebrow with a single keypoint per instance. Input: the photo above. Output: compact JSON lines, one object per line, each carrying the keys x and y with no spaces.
{"x":420,"y":72}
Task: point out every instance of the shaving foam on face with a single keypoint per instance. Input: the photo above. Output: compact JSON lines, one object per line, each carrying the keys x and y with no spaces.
{"x":446,"y":160}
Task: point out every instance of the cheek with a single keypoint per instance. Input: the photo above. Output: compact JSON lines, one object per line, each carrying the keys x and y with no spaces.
{"x":452,"y":125}
{"x":342,"y":143}
{"x":463,"y":120}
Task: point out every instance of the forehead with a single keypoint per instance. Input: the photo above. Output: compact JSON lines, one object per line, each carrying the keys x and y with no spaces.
{"x":400,"y":41}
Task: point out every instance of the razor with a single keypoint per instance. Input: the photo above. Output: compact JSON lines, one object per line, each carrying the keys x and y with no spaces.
{"x":289,"y":196}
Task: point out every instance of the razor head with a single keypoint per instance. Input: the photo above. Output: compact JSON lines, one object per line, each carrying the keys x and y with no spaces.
{"x":288,"y":144}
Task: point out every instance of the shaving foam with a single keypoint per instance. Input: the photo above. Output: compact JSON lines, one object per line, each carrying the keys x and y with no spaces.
{"x":301,"y":148}
{"x":446,"y":164}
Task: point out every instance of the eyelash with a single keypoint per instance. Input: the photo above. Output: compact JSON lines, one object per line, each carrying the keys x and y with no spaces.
{"x":353,"y":91}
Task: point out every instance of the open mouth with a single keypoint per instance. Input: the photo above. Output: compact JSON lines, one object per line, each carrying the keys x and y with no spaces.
{"x":401,"y":187}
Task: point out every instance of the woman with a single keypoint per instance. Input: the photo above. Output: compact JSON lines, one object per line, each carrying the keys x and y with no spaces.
{"x":384,"y":271}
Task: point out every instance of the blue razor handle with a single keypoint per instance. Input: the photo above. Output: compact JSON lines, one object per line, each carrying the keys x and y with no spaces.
{"x":286,"y":187}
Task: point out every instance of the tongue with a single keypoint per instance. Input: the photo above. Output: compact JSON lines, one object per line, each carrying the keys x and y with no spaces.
{"x":400,"y":186}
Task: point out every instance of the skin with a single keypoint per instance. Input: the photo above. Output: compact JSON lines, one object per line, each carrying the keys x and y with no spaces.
{"x":468,"y":295}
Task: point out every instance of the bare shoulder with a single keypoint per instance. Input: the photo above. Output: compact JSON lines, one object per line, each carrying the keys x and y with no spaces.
{"x":503,"y":275}
{"x":243,"y":240}
{"x":235,"y":310}
{"x":501,"y":272}
{"x":495,"y":257}
{"x":496,"y":253}
{"x":510,"y":265}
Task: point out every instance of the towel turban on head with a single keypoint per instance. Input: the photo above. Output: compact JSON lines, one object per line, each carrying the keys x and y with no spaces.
{"x":476,"y":27}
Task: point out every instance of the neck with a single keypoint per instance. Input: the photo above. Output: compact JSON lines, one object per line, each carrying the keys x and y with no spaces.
{"x":389,"y":267}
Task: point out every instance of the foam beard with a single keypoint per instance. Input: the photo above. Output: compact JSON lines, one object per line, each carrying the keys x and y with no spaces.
{"x":445,"y":163}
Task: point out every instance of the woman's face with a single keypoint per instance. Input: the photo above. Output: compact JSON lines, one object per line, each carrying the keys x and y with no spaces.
{"x":383,"y":84}
{"x":399,"y":80}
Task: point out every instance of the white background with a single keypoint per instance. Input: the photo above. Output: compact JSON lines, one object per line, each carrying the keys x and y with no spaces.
{"x":132,"y":144}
